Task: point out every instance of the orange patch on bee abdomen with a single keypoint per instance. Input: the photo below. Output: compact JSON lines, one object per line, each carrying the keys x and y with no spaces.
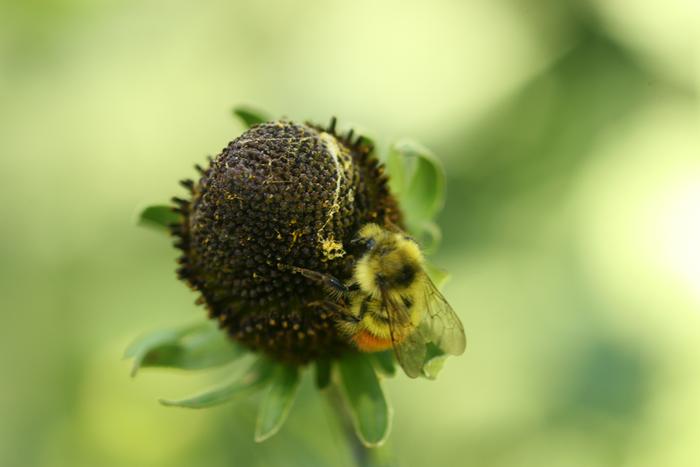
{"x":368,"y":342}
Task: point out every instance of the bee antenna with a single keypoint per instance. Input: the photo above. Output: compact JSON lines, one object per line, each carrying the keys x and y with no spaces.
{"x":348,"y":138}
{"x":331,"y":125}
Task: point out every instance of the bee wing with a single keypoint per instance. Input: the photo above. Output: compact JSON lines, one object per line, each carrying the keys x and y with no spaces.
{"x":441,"y":324}
{"x":408,"y":342}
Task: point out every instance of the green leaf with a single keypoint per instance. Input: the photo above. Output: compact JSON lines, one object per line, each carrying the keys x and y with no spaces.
{"x":323,"y":373}
{"x":434,"y":361}
{"x":369,"y":409}
{"x":278,"y":401}
{"x":189,"y":347}
{"x":397,"y":168}
{"x":250,"y":116}
{"x":384,"y":362}
{"x":143,"y":345}
{"x":193,"y":352}
{"x":425,"y":181}
{"x":438,"y":276}
{"x":158,"y":216}
{"x":427,"y":233}
{"x":417,"y":178}
{"x":256,"y":375}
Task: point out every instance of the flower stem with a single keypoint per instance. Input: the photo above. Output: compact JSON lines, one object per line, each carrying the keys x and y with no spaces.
{"x":363,"y":456}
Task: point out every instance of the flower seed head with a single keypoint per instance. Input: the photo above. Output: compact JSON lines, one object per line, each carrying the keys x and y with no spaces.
{"x":281,"y":195}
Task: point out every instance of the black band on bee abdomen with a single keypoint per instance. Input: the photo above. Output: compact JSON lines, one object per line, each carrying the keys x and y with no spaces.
{"x":364,"y":306}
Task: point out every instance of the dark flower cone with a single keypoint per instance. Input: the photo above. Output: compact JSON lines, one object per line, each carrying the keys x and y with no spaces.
{"x":280,"y":195}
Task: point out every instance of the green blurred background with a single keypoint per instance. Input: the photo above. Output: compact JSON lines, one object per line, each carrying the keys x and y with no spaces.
{"x":569,"y":131}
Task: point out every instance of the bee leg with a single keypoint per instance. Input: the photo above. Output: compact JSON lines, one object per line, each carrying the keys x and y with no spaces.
{"x":326,"y":280}
{"x":339,"y":311}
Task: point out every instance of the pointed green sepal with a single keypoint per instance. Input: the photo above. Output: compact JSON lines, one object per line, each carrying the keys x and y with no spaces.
{"x":253,"y":378}
{"x":369,"y":409}
{"x":190,"y":347}
{"x":277,"y":402}
{"x":323,"y":373}
{"x":384,"y":362}
{"x":158,"y":216}
{"x":250,"y":116}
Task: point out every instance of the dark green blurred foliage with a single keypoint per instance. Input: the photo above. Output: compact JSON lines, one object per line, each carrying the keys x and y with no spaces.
{"x":533,"y":145}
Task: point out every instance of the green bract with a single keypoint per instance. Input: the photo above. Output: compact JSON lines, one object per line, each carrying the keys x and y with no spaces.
{"x":191,"y":347}
{"x":250,"y":116}
{"x":371,"y":414}
{"x":417,"y":179}
{"x":158,"y":216}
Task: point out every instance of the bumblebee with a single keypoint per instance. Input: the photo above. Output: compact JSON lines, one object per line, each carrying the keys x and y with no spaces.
{"x":390,"y":301}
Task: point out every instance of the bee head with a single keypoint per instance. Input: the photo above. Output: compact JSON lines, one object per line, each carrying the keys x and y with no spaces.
{"x":367,"y":238}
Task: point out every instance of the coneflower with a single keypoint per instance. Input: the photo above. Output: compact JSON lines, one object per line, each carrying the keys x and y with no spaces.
{"x":281,"y":196}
